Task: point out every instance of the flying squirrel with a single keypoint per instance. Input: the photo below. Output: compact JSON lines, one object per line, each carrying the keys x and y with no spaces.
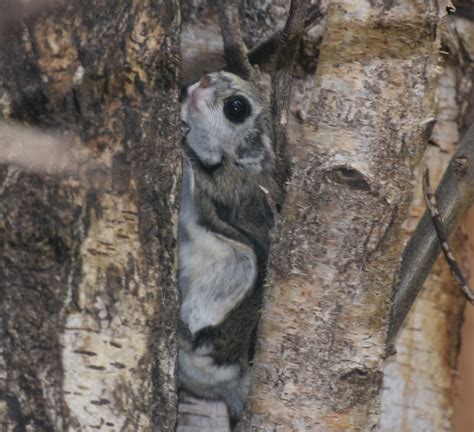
{"x":229,"y":196}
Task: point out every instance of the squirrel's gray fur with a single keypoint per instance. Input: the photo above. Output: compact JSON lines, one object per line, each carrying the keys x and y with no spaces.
{"x":227,"y":207}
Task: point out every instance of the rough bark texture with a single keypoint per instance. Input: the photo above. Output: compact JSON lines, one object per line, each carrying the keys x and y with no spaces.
{"x":418,"y":380}
{"x":87,"y":286}
{"x":88,"y":299}
{"x":336,"y":252}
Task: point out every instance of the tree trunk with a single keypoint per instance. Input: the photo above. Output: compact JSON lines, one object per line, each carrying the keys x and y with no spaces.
{"x":337,"y":249}
{"x":88,"y":299}
{"x":418,"y":380}
{"x":88,"y":264}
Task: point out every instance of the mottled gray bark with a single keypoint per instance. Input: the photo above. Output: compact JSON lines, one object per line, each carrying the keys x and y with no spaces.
{"x":88,"y":296}
{"x":337,"y":248}
{"x":418,"y":386}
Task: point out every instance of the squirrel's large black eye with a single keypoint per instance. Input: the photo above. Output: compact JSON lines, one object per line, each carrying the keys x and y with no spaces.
{"x":236,"y":108}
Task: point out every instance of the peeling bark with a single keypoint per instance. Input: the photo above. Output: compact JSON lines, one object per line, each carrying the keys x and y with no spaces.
{"x":88,"y":289}
{"x":418,"y":380}
{"x":336,"y":251}
{"x":88,"y":300}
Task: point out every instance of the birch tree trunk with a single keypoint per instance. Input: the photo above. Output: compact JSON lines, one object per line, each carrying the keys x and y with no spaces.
{"x":418,"y":381}
{"x":337,"y":247}
{"x":87,"y":286}
{"x":88,"y":338}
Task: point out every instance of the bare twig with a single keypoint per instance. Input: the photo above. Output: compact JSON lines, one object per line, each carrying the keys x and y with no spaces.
{"x":50,"y":152}
{"x":443,"y":237}
{"x":265,"y":50}
{"x":35,"y":150}
{"x":455,"y":194}
{"x":235,"y":51}
{"x":282,"y":80}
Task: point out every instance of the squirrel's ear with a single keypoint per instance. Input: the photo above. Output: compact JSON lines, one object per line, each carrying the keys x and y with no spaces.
{"x":202,"y":51}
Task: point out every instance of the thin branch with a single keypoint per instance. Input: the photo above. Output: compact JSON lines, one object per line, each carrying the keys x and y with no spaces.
{"x":260,"y":54}
{"x":282,"y":80}
{"x":455,"y":194}
{"x":235,"y":51}
{"x":35,"y":150}
{"x":443,"y":237}
{"x":265,"y":50}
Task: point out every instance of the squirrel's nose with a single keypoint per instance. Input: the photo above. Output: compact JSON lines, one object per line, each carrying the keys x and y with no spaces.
{"x":206,"y":81}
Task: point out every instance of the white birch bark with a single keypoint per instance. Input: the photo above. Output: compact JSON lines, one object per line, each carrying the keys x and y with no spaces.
{"x":419,"y":380}
{"x":337,"y":248}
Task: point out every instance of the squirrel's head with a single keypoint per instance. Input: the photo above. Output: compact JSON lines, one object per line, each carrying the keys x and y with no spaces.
{"x":227,"y":121}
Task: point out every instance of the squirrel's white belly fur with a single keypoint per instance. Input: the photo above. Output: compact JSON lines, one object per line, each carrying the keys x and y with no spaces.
{"x":215,"y":274}
{"x":208,"y":260}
